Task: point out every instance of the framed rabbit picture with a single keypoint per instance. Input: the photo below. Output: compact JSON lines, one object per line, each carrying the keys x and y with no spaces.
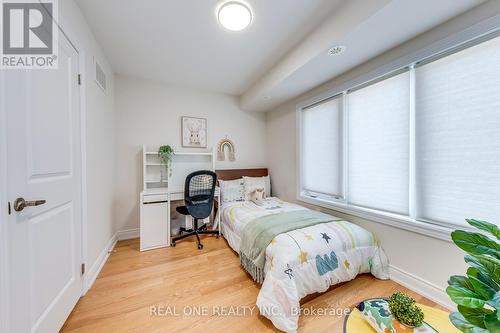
{"x":194,"y":132}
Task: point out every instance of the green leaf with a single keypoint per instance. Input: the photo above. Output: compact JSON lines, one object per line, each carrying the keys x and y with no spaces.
{"x":465,"y":297}
{"x":482,"y":284}
{"x":478,"y":293}
{"x":485,"y":226}
{"x":492,"y":323}
{"x":475,"y":243}
{"x":474,"y":316}
{"x":460,"y":281}
{"x":495,"y":302}
{"x":462,"y":324}
{"x":482,"y":288}
{"x":487,"y":266}
{"x":485,"y":278}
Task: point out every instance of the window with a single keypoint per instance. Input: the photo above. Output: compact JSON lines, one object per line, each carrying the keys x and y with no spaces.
{"x":419,"y":146}
{"x":378,"y":145}
{"x":458,"y":135}
{"x":322,"y":149}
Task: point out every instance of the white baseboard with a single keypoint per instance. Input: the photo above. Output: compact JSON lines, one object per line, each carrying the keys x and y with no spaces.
{"x":128,"y":234}
{"x":421,"y":286}
{"x":93,"y":272}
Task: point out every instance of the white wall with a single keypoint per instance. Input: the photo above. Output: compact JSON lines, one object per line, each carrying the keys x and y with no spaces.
{"x":148,"y":112}
{"x":99,"y":132}
{"x":430,"y":261}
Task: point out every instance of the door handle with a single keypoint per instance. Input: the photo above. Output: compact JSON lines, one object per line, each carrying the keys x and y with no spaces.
{"x":20,"y":204}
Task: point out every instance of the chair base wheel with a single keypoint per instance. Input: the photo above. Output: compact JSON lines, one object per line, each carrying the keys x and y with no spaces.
{"x":172,"y":244}
{"x":200,"y":246}
{"x":217,"y":236}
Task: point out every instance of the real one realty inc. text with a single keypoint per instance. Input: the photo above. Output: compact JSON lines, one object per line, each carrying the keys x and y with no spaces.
{"x":241,"y":311}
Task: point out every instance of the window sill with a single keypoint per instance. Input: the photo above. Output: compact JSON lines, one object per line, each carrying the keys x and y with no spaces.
{"x":391,"y":219}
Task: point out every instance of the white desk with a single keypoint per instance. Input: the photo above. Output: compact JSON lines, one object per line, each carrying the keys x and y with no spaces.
{"x":155,"y":216}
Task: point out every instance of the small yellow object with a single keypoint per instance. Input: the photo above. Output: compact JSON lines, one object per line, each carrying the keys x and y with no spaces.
{"x":347,"y":264}
{"x":273,"y":241}
{"x":309,"y":237}
{"x":303,"y":257}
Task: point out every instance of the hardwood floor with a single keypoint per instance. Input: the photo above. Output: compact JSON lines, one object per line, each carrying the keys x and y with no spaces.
{"x":132,"y":284}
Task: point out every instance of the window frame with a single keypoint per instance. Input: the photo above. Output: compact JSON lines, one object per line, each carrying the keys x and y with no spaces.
{"x":436,"y":229}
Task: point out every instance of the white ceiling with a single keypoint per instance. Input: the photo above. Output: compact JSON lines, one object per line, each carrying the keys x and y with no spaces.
{"x":365,"y":34}
{"x":181,"y":41}
{"x":281,"y":55}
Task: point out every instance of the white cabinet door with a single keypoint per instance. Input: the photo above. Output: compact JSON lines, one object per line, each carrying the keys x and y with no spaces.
{"x":44,"y":163}
{"x":154,"y":224}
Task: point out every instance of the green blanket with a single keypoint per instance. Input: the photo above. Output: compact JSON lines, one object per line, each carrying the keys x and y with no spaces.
{"x":258,"y":233}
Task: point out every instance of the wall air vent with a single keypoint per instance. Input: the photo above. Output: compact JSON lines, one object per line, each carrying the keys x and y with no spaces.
{"x":100,"y":76}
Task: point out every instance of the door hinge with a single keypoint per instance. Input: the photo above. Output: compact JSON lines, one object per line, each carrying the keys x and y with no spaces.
{"x":83,"y":269}
{"x":79,"y":79}
{"x":9,"y":209}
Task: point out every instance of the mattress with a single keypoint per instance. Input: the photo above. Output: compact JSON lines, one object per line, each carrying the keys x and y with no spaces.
{"x":235,"y":215}
{"x":303,"y":261}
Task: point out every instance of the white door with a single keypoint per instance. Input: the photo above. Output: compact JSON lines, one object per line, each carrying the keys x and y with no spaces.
{"x":44,"y":163}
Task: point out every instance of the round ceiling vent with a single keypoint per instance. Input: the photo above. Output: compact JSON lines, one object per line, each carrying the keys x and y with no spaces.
{"x":336,"y":50}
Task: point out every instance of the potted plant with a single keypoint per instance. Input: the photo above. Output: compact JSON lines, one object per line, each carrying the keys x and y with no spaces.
{"x":404,"y":309}
{"x":478,"y":293}
{"x":165,"y":154}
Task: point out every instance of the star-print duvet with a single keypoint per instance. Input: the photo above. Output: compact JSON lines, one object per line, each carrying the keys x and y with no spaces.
{"x":304,"y":261}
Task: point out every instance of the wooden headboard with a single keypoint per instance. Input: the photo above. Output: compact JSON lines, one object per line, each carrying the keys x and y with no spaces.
{"x":231,"y":174}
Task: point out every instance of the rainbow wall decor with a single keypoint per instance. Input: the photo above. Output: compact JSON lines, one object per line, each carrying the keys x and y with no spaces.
{"x":225,"y":144}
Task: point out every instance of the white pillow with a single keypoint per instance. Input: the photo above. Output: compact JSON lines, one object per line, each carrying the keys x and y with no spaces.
{"x":254,"y":183}
{"x":232,"y":190}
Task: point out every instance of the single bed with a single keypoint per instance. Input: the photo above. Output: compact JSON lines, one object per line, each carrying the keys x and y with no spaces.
{"x":302,"y":261}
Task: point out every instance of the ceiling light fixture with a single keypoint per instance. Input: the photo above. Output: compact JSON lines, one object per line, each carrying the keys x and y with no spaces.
{"x":336,"y":50}
{"x":234,"y":15}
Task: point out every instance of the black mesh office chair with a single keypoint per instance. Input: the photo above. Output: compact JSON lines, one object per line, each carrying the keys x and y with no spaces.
{"x":199,"y":192}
